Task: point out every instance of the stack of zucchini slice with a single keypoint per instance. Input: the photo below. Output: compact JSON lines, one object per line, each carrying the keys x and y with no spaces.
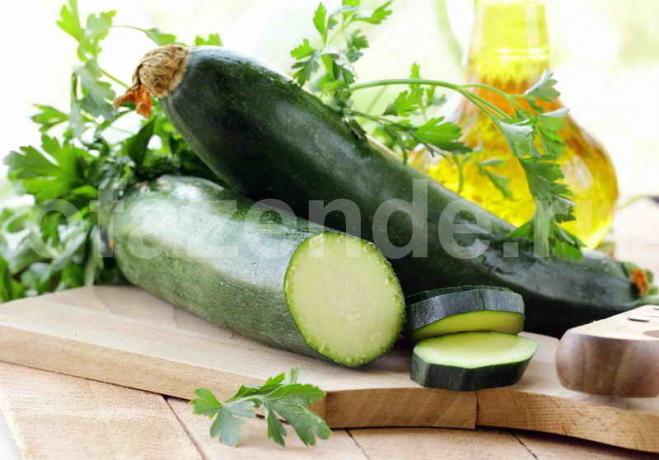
{"x":467,"y":338}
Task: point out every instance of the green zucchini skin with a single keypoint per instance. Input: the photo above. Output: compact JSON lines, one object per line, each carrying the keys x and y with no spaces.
{"x":429,"y":307}
{"x":172,"y":237}
{"x":460,"y":379}
{"x":267,"y":138}
{"x":434,"y":375}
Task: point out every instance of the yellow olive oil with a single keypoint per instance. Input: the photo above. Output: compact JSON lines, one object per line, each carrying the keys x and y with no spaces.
{"x":510,"y":50}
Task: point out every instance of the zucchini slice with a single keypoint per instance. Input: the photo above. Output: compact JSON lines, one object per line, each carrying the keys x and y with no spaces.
{"x":464,"y":309}
{"x":471,"y":360}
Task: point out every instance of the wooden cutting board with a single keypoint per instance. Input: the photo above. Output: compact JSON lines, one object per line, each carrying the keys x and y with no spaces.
{"x":127,"y":337}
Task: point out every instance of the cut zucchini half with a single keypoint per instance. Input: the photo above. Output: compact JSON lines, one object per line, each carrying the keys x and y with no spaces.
{"x":464,"y":309}
{"x":344,"y":298}
{"x":471,"y":360}
{"x":282,"y":281}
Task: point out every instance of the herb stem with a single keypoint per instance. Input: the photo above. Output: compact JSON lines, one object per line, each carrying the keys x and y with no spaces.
{"x":379,"y":119}
{"x":485,"y":106}
{"x":123,"y":26}
{"x":461,"y":178}
{"x":367,"y":116}
{"x":480,"y":102}
{"x":404,"y":81}
{"x":512,"y":99}
{"x":114,"y":79}
{"x":121,"y":130}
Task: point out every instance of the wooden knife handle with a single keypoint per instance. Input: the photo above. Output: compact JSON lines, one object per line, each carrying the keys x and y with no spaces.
{"x":617,"y":356}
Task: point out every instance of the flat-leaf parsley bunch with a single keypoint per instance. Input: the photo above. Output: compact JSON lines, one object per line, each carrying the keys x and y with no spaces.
{"x":83,"y":163}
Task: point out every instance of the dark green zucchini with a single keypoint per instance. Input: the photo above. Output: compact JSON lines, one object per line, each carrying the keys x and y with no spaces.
{"x":464,"y":309}
{"x":259,"y":272}
{"x":267,"y":138}
{"x":471,"y":360}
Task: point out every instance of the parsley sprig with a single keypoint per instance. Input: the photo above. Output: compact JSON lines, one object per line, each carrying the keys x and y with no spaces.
{"x":281,"y":397}
{"x":339,"y":48}
{"x":326,"y":66}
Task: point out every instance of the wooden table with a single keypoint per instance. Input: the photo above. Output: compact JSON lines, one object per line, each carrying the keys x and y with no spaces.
{"x":56,"y":416}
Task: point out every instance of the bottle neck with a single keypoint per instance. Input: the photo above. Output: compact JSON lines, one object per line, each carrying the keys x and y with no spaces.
{"x":509,"y":44}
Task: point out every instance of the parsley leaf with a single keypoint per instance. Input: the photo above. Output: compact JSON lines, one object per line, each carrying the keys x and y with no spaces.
{"x":158,"y":37}
{"x":379,"y":15}
{"x":276,"y":430}
{"x":226,"y":426}
{"x":356,"y":43}
{"x":135,"y":147}
{"x":306,"y":62}
{"x":69,"y":20}
{"x":304,"y":50}
{"x":441,"y":134}
{"x":9,"y":289}
{"x":281,"y":396}
{"x":320,"y":21}
{"x":96,"y":94}
{"x":337,"y":51}
{"x":96,"y":29}
{"x":502,"y":183}
{"x":48,"y":117}
{"x":90,"y":95}
{"x":548,"y":126}
{"x":211,"y":39}
{"x":544,"y":89}
{"x":206,"y":403}
{"x":54,"y":171}
{"x":405,"y":104}
{"x":89,"y":38}
{"x":519,"y":136}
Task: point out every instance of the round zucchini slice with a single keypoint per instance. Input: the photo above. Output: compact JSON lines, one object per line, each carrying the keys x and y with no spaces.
{"x":471,"y":360}
{"x":464,"y":309}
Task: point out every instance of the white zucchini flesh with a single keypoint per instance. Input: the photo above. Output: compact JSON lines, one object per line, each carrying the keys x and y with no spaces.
{"x":474,"y":350}
{"x":344,"y":298}
{"x":482,"y":320}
